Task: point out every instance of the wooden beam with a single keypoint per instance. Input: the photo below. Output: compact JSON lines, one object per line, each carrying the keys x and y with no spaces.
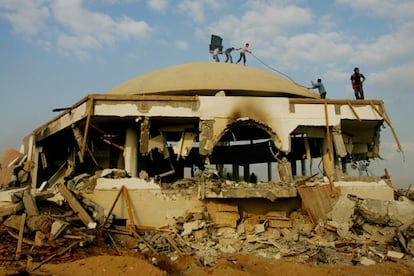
{"x":20,"y":241}
{"x":329,"y":151}
{"x":388,"y":121}
{"x":76,"y":206}
{"x":85,"y":132}
{"x":332,"y":101}
{"x":128,"y":205}
{"x":354,"y":111}
{"x":30,"y":204}
{"x":113,"y":206}
{"x":328,"y":134}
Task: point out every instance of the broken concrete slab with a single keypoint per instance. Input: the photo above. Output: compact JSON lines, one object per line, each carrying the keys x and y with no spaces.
{"x":130,"y":183}
{"x":189,"y":227}
{"x":271,"y":192}
{"x":393,"y":213}
{"x":375,"y":211}
{"x":395,"y":254}
{"x":10,"y":158}
{"x":57,"y":228}
{"x":13,"y":195}
{"x":9,"y":208}
{"x":363,"y":189}
{"x":76,"y":206}
{"x":367,"y":261}
{"x":30,"y":204}
{"x":342,"y":215}
{"x":13,"y":222}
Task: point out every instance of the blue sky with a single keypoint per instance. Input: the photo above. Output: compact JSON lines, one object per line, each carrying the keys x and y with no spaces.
{"x":55,"y":52}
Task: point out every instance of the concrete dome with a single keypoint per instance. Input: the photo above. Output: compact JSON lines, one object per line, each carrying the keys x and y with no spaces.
{"x":207,"y":78}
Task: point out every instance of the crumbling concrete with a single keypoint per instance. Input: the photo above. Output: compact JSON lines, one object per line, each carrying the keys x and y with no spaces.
{"x":364,"y":189}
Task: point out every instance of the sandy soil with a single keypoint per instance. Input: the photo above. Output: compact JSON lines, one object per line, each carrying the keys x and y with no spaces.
{"x":236,"y":265}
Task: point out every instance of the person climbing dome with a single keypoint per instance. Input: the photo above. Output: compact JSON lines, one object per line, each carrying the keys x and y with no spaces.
{"x":243,"y":53}
{"x":321,"y":88}
{"x":228,"y":54}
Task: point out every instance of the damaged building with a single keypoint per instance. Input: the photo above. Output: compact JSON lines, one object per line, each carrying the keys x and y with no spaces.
{"x":199,"y":132}
{"x":206,"y":159}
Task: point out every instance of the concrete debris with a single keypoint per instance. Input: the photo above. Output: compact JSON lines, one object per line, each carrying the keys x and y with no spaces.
{"x":364,"y":231}
{"x":395,"y":254}
{"x":367,"y":261}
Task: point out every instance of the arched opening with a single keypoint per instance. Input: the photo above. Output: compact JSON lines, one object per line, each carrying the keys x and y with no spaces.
{"x":245,"y":151}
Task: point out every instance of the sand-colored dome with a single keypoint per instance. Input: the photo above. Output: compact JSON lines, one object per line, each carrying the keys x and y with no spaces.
{"x":207,"y":78}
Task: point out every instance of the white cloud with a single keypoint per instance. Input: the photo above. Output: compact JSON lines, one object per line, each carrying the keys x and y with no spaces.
{"x":78,"y":29}
{"x":397,"y":9}
{"x":398,"y":78}
{"x":315,"y":48}
{"x":261,"y":25}
{"x":196,"y":9}
{"x":78,"y":20}
{"x":158,"y":5}
{"x":28,"y":18}
{"x":181,"y":45}
{"x":326,"y":22}
{"x":395,"y":46}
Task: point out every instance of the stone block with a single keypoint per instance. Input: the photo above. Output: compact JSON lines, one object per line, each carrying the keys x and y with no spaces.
{"x":226,"y":219}
{"x":279,"y":223}
{"x":395,"y":254}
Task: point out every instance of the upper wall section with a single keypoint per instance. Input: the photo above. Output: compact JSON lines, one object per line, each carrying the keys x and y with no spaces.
{"x":208,"y":78}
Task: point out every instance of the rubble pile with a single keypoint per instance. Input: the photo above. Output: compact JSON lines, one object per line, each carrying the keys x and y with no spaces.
{"x":277,"y":235}
{"x":56,"y":224}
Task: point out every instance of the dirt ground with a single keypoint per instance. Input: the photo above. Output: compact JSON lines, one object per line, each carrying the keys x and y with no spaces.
{"x":137,"y":264}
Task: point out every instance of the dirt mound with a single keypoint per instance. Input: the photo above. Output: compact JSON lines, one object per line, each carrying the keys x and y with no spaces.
{"x":235,"y":265}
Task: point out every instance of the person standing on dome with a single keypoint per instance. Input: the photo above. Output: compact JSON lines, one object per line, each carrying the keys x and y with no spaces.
{"x":357,"y":79}
{"x":243,"y":53}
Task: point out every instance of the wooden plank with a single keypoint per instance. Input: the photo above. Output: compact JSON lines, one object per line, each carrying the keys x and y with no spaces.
{"x":128,"y":205}
{"x":317,"y":201}
{"x":76,"y":206}
{"x":54,"y":255}
{"x":354,"y":111}
{"x":388,"y":121}
{"x":85,"y":132}
{"x":20,"y":240}
{"x":30,"y":204}
{"x":113,"y":206}
{"x":332,"y":101}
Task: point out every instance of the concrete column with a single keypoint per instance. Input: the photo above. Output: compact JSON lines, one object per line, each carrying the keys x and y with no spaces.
{"x":344,"y":164}
{"x":131,"y":152}
{"x":235,"y":171}
{"x":36,"y":161}
{"x":269,"y":171}
{"x":293,"y":166}
{"x":303,"y":166}
{"x":246,"y":172}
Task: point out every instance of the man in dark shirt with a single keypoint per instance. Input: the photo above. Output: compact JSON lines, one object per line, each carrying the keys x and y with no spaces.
{"x":357,"y":80}
{"x":228,"y":54}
